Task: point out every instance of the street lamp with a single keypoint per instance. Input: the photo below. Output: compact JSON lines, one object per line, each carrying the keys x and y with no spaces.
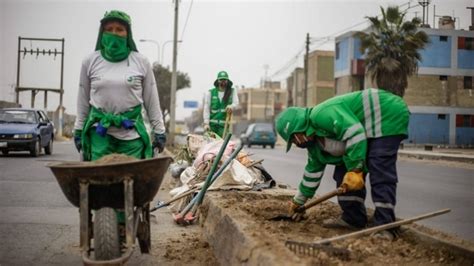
{"x":163,"y":49}
{"x":157,"y":45}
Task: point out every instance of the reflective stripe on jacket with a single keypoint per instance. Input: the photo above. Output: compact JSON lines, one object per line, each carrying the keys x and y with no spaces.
{"x":356,"y":116}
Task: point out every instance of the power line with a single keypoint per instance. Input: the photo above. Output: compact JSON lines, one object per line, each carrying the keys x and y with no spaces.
{"x":295,"y":58}
{"x":366,"y":21}
{"x":290,"y":63}
{"x":331,"y":37}
{"x":187,"y":18}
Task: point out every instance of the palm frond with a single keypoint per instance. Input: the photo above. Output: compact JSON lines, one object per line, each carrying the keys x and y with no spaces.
{"x":393,"y":14}
{"x":408,"y":26}
{"x":392,"y":49}
{"x":416,"y":21}
{"x":375,"y":22}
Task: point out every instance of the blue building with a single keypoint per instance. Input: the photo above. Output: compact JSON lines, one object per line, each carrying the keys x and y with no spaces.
{"x":440,"y":97}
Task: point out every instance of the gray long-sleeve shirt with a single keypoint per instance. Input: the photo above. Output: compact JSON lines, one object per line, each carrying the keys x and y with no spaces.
{"x":116,"y":88}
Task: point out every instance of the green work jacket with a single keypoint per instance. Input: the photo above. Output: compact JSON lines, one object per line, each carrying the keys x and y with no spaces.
{"x":352,"y":118}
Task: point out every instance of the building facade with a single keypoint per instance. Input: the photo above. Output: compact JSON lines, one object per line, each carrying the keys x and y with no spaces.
{"x":295,"y":87}
{"x":440,"y":97}
{"x":320,"y":80}
{"x":320,"y":77}
{"x":259,"y":105}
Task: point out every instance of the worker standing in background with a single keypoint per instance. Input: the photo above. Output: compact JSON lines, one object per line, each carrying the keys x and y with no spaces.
{"x":219,"y":103}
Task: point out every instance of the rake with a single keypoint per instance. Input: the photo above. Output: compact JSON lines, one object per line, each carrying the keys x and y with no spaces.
{"x":325,"y":244}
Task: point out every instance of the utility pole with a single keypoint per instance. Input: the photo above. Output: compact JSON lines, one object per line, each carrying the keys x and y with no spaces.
{"x":472,"y":18}
{"x":306,"y":57}
{"x":174,"y":76}
{"x":266,"y":91}
{"x":61,"y":92}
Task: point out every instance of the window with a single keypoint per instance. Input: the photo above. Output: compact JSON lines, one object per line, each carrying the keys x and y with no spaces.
{"x":337,"y":51}
{"x":443,"y":38}
{"x":469,"y":44}
{"x":468,"y":83}
{"x":467,"y":121}
{"x":40,"y":117}
{"x":466,"y":43}
{"x":43,"y":116}
{"x":464,"y":120}
{"x":441,"y":117}
{"x":250,"y":129}
{"x":443,"y":78}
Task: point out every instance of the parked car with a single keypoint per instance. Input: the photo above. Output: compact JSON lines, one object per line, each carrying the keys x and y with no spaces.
{"x":259,"y":134}
{"x":25,"y":130}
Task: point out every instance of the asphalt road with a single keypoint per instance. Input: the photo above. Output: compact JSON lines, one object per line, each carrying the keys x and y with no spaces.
{"x":37,"y":224}
{"x":422,"y":188}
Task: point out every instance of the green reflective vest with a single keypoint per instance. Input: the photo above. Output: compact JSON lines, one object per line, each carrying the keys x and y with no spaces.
{"x":218,"y":112}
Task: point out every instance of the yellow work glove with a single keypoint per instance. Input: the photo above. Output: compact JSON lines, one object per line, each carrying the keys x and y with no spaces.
{"x":292,"y":210}
{"x":353,"y":181}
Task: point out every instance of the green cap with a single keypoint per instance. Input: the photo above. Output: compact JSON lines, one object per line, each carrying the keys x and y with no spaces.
{"x":116,"y":15}
{"x":222,"y":75}
{"x":292,"y":120}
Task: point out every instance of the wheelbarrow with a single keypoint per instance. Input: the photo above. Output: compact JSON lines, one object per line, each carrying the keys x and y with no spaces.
{"x":104,"y":188}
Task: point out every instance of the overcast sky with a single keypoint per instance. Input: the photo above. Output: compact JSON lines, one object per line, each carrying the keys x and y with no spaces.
{"x":240,"y":37}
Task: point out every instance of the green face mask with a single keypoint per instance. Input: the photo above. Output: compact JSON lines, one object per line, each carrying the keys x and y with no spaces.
{"x":113,"y":47}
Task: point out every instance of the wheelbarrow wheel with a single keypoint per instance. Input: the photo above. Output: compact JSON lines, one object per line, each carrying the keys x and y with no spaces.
{"x":143,"y":230}
{"x":106,"y":237}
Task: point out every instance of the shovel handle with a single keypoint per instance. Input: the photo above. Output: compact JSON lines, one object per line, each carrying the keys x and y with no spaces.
{"x":324,"y":197}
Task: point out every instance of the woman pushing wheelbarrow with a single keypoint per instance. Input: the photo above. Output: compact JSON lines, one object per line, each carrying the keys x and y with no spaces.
{"x":116,"y":83}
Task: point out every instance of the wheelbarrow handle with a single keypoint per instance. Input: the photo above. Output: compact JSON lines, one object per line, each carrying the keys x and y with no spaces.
{"x":324,"y":197}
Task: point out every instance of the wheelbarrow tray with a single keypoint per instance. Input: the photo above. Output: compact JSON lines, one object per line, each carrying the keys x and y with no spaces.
{"x":105,"y":180}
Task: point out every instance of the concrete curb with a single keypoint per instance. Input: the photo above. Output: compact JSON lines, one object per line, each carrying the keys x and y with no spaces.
{"x":233,"y":245}
{"x":464,"y":251}
{"x":437,"y":156}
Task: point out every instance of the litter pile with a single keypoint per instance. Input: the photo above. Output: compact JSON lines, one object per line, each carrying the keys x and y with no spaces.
{"x":207,"y":163}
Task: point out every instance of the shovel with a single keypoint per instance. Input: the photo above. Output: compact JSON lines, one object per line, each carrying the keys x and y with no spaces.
{"x":180,"y":218}
{"x":302,"y":208}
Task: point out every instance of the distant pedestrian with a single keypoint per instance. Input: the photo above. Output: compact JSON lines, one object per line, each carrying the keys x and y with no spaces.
{"x":358,"y":132}
{"x":116,"y":83}
{"x":219,"y":102}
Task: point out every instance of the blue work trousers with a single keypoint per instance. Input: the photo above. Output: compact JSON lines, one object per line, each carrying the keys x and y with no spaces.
{"x":381,"y":162}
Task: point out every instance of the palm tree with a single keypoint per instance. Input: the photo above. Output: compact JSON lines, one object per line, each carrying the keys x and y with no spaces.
{"x":391,"y":48}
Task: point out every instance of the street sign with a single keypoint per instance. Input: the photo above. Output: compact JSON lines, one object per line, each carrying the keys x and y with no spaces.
{"x":190,"y":104}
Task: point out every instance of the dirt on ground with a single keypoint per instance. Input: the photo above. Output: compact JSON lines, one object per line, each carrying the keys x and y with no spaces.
{"x":173,"y":244}
{"x":254,"y":210}
{"x":177,"y":245}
